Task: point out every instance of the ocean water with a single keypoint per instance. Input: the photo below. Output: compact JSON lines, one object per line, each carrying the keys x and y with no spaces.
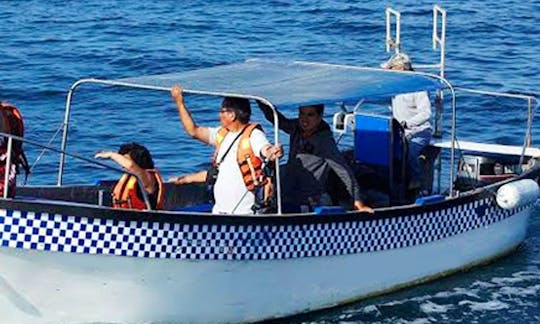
{"x":48,"y":45}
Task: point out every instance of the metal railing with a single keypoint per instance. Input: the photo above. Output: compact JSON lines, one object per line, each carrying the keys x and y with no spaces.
{"x":11,"y":138}
{"x":531,"y":109}
{"x":438,"y":39}
{"x":159,"y":88}
{"x":394,"y":43}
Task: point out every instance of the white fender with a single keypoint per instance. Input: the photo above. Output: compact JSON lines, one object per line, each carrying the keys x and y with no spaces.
{"x":518,"y":193}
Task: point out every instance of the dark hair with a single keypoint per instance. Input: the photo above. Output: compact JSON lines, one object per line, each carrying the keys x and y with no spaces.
{"x":319,"y":108}
{"x":138,"y":153}
{"x":240,"y":106}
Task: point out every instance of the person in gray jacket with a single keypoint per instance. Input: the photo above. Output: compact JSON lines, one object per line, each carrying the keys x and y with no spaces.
{"x":413,"y":112}
{"x":313,"y":153}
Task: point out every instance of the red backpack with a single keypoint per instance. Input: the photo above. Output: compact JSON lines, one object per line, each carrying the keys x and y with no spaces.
{"x":11,"y":122}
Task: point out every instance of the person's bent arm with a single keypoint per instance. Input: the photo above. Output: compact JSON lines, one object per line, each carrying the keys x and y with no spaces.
{"x":344,"y":172}
{"x":147,"y":179}
{"x":327,"y":149}
{"x":423,"y":106}
{"x":195,"y":131}
{"x":190,"y":178}
{"x":285,"y":124}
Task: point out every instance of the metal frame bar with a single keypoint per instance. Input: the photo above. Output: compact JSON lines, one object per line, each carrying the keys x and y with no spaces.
{"x":8,"y":166}
{"x":390,"y":42}
{"x":530,"y":111}
{"x":158,"y":88}
{"x":439,"y":38}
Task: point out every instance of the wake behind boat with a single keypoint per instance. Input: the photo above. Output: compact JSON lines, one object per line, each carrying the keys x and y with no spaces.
{"x":67,"y":256}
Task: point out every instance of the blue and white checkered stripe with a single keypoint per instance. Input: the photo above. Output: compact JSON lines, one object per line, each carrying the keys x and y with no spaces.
{"x":53,"y":232}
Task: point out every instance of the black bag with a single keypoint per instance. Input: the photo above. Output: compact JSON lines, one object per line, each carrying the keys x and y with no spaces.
{"x":211,"y":175}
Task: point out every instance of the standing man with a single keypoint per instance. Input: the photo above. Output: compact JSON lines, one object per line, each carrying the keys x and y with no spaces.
{"x":413,"y":112}
{"x":240,"y":148}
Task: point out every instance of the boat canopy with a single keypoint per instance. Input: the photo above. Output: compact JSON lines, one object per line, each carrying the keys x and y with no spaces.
{"x":290,"y":84}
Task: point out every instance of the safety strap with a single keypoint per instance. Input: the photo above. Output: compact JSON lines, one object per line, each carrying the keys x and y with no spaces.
{"x":230,"y":146}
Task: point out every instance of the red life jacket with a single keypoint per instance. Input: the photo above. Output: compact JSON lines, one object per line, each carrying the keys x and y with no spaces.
{"x":125,"y":192}
{"x":249,"y":163}
{"x":12,"y":179}
{"x":11,"y":122}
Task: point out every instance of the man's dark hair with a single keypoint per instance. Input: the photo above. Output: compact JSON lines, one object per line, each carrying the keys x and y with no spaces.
{"x":240,"y":106}
{"x":319,"y":108}
{"x":138,"y":153}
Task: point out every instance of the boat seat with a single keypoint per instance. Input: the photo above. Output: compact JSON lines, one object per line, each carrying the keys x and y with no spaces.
{"x":380,"y":144}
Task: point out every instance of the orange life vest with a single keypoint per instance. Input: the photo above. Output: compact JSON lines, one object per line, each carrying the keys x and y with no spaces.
{"x":125,"y":192}
{"x":250,"y":164}
{"x":12,"y":122}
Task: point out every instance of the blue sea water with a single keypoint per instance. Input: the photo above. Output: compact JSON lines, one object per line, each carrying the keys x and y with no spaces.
{"x":48,"y":45}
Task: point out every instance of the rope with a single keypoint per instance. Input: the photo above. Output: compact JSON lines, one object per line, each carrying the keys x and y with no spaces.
{"x":44,"y":149}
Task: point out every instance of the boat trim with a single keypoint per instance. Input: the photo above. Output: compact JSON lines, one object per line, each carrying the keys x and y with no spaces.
{"x":490,"y":148}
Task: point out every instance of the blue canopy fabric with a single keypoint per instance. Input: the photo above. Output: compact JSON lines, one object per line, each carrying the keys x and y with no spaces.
{"x":291,"y":84}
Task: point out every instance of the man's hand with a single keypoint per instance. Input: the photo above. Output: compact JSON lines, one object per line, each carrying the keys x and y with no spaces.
{"x":272,"y":152}
{"x":103,"y":155}
{"x":176,"y":93}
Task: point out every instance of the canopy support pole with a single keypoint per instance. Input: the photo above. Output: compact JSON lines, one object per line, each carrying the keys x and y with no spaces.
{"x":160,"y":88}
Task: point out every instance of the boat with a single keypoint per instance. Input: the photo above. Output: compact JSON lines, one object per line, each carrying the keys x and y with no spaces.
{"x":67,"y":256}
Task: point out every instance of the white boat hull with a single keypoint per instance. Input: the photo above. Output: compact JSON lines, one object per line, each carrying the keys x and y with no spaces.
{"x":47,"y":286}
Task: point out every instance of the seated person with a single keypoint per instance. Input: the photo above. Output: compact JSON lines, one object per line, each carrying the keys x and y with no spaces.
{"x":413,"y":112}
{"x":313,"y":153}
{"x":127,"y":193}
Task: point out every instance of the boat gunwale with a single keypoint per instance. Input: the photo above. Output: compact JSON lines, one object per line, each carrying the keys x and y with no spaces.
{"x":89,"y":211}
